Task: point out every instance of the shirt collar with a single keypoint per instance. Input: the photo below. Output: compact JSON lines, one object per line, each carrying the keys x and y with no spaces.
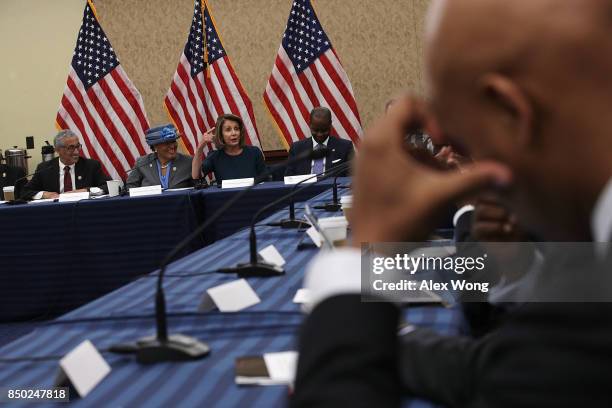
{"x":601,"y":218}
{"x":314,"y":142}
{"x":62,"y":165}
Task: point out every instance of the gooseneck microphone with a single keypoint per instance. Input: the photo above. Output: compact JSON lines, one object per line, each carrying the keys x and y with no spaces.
{"x":255,"y":267}
{"x":177,"y":347}
{"x":335,"y":205}
{"x":291,"y":222}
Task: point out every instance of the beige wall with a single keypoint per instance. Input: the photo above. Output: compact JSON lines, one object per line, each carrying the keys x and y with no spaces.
{"x":379,"y":43}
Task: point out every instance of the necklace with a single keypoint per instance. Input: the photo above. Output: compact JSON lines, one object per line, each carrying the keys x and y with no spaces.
{"x":164,"y":166}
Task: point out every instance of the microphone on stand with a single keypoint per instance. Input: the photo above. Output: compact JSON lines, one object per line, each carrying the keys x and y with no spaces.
{"x":124,"y":190}
{"x":335,"y":205}
{"x":256,"y":267}
{"x":163,"y":347}
{"x":291,"y":222}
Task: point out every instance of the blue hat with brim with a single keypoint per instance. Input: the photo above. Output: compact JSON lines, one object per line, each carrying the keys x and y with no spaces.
{"x":161,"y":134}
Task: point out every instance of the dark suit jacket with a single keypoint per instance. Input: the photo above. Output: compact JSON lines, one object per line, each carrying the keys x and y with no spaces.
{"x":87,"y":173}
{"x":8,"y":176}
{"x":340,"y":149}
{"x":544,"y":355}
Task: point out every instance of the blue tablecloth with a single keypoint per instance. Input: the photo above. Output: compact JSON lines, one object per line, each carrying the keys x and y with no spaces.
{"x":57,"y":256}
{"x":127,"y":314}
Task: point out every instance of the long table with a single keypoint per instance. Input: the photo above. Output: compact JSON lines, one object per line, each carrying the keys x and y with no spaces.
{"x":57,"y":256}
{"x":128,"y":313}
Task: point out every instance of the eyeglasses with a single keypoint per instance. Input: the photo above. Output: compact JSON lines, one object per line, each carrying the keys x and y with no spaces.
{"x":72,"y":148}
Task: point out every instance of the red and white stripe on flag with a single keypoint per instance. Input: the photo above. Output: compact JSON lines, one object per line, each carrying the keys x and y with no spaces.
{"x":101,"y":104}
{"x":307,"y":73}
{"x":205,"y":84}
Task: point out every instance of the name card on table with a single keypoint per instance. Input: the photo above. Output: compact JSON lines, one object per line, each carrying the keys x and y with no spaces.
{"x":297,"y":179}
{"x":83,"y":367}
{"x":229,"y":297}
{"x":302,"y":296}
{"x":145,"y":191}
{"x":235,"y":183}
{"x":67,"y":197}
{"x":271,"y":255}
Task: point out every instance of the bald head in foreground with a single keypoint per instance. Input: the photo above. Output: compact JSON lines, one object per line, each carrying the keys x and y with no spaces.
{"x":525,"y":88}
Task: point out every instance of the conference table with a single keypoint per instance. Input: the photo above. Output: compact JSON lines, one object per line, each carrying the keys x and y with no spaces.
{"x":128,"y":314}
{"x":56,"y":256}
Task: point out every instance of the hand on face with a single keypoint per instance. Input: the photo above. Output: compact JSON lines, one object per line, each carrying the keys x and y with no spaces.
{"x":494,"y":223}
{"x":397,"y":199}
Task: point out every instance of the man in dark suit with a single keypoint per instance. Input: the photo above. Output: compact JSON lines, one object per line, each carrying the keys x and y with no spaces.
{"x":341,"y":151}
{"x":9,"y":176}
{"x":67,"y":173}
{"x":516,"y":109}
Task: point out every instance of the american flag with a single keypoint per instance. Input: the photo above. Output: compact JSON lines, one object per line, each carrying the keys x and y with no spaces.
{"x":307,"y":73}
{"x":100,"y":103}
{"x":205,"y":84}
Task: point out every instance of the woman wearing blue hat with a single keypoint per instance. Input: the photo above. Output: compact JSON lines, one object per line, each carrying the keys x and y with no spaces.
{"x":165,"y":166}
{"x":233,"y":158}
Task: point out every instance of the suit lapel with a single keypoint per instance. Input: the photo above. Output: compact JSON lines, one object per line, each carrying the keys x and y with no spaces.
{"x":331,"y":145}
{"x":54,"y":175}
{"x":79,"y":174}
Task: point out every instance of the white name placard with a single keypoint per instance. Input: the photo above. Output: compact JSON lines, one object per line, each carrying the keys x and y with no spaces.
{"x":296,"y":179}
{"x":271,"y":255}
{"x":230,"y":297}
{"x":83,"y":367}
{"x":66,"y":197}
{"x":235,"y":183}
{"x":145,"y":191}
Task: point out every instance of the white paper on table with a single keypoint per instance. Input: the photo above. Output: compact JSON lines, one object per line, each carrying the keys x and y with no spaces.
{"x":302,"y":296}
{"x":282,"y":366}
{"x":233,"y":296}
{"x":271,"y":255}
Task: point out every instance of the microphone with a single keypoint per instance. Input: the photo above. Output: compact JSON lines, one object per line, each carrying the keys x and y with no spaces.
{"x":124,"y":190}
{"x":255,"y":267}
{"x":178,"y":347}
{"x":334,"y":206}
{"x":291,"y":222}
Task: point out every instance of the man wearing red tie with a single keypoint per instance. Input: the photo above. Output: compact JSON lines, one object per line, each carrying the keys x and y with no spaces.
{"x":67,"y":173}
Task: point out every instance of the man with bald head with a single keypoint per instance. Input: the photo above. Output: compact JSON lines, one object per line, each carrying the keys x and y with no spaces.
{"x":525,"y":89}
{"x":340,"y":150}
